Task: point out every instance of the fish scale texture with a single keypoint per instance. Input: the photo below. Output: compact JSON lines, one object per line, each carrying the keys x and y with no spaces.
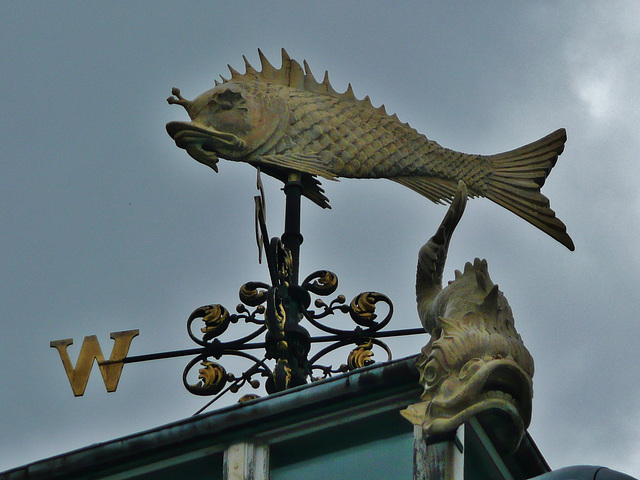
{"x":360,"y":143}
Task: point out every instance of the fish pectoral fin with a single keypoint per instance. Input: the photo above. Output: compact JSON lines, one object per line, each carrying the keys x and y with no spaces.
{"x":311,"y":186}
{"x":312,"y":164}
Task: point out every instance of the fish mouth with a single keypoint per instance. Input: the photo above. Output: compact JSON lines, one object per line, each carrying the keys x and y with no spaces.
{"x":204,"y":144}
{"x":499,"y":389}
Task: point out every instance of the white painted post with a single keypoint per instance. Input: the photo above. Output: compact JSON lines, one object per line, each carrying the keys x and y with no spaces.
{"x":246,"y":461}
{"x":442,"y":459}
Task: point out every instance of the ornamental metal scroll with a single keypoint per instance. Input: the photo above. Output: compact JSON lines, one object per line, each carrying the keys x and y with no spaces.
{"x":276,"y":310}
{"x":290,"y":369}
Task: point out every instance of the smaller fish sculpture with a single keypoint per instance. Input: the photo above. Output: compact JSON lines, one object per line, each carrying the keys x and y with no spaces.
{"x":283,"y":120}
{"x":476,"y":364}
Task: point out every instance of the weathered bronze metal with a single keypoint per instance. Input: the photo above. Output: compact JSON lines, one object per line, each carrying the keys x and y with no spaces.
{"x":283,"y":120}
{"x":476,"y":361}
{"x":91,"y":351}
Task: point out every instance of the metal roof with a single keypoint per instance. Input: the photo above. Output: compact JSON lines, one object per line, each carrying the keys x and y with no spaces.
{"x":380,"y":389}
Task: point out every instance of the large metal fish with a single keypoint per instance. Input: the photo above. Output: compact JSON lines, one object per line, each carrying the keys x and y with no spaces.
{"x":283,"y":120}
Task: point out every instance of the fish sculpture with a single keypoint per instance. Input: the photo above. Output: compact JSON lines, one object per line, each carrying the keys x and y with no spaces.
{"x":284,"y":120}
{"x":476,"y":364}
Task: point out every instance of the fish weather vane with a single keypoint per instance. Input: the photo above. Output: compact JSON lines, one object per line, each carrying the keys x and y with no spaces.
{"x":283,"y":120}
{"x":296,"y":129}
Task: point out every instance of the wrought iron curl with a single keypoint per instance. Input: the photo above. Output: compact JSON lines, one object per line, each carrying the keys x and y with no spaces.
{"x":362,"y":311}
{"x":213,"y":377}
{"x":253,"y":293}
{"x":359,"y":357}
{"x":217,"y":318}
{"x":321,"y":282}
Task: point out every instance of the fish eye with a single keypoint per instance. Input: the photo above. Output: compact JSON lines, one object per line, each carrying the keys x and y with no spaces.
{"x":225,"y":105}
{"x":227,"y":100}
{"x":216,"y":104}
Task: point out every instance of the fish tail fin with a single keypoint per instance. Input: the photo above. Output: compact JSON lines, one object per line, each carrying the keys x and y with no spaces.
{"x":517,"y":177}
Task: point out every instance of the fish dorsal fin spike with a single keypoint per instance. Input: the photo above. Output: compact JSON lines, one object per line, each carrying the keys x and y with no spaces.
{"x":268,"y":70}
{"x":216,"y":82}
{"x":285,"y":69}
{"x":292,"y":74}
{"x":234,"y":72}
{"x":249,"y":70}
{"x":481,"y":280}
{"x":490,"y":302}
{"x":327,"y":84}
{"x":395,"y":117}
{"x":296,"y":76}
{"x":307,"y":69}
{"x":480,"y":264}
{"x":286,"y":62}
{"x":310,"y":82}
{"x":285,"y":57}
{"x":348,"y":94}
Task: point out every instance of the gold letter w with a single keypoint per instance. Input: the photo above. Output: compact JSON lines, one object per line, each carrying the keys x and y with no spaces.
{"x":90,"y":351}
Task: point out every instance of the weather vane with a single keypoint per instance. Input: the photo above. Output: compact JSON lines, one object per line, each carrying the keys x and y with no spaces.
{"x":296,"y":129}
{"x":283,"y":120}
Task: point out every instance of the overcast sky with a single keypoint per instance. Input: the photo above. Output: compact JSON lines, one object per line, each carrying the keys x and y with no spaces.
{"x":107,"y":226}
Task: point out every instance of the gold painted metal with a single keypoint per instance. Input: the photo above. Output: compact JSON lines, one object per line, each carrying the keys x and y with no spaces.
{"x":282,"y":374}
{"x":363,"y":307}
{"x":475,"y":362}
{"x":325,"y":283}
{"x":216,"y":321}
{"x":90,"y":351}
{"x":253,"y":294}
{"x":213,"y":377}
{"x":361,"y":356}
{"x":283,"y":120}
{"x":248,"y":397}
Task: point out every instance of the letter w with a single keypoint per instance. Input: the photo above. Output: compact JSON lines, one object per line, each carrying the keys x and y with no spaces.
{"x":90,"y":351}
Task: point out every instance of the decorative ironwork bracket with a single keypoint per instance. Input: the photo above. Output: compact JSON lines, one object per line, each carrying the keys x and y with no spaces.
{"x":276,"y":310}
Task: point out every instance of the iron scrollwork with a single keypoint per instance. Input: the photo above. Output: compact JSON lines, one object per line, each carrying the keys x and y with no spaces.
{"x":265,"y":307}
{"x":276,"y":310}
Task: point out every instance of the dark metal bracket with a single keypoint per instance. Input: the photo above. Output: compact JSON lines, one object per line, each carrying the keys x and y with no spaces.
{"x":276,"y":310}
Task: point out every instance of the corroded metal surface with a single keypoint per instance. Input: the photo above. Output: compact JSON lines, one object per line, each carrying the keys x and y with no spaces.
{"x":283,"y":120}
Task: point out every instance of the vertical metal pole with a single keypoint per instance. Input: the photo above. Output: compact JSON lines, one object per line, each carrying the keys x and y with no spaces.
{"x":292,"y":238}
